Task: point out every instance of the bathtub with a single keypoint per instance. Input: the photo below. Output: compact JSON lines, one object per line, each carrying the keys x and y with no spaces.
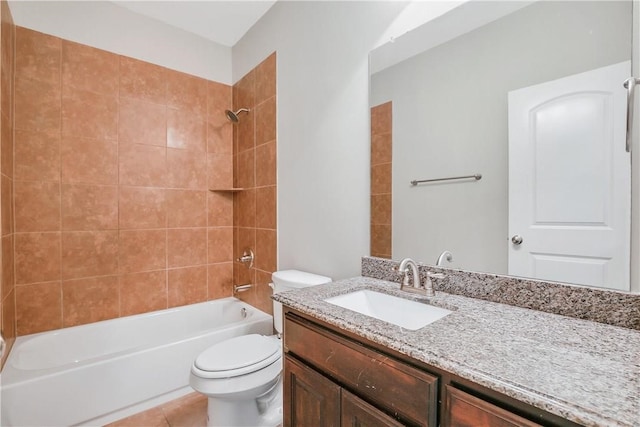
{"x":98,"y":373}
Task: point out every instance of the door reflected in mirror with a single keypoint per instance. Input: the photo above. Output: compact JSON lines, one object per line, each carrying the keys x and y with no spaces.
{"x":531,"y":100}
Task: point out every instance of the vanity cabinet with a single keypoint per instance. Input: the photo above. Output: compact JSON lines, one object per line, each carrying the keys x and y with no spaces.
{"x":335,"y":378}
{"x":325,"y":370}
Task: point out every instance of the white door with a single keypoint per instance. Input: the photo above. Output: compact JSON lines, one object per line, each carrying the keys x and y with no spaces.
{"x":569,"y":180}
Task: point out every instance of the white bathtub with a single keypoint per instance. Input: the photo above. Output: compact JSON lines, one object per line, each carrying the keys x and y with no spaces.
{"x":98,"y":373}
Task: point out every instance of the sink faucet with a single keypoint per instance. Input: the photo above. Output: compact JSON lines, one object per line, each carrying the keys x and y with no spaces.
{"x":444,"y":255}
{"x":414,"y":270}
{"x":417,"y":287}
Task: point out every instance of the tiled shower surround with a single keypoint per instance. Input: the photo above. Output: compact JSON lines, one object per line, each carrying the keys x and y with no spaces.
{"x":8,"y":293}
{"x":254,"y":158}
{"x":381,"y":149}
{"x":114,"y":159}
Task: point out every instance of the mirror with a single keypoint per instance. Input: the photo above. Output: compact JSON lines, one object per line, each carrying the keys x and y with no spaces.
{"x":454,"y":90}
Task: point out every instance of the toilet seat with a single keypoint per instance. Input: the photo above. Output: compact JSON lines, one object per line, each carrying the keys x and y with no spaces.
{"x":237,"y":356}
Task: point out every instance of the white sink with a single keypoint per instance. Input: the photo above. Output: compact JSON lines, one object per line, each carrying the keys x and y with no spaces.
{"x":405,"y":313}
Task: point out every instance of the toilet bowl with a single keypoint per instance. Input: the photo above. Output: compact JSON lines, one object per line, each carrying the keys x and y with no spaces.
{"x":242,"y":376}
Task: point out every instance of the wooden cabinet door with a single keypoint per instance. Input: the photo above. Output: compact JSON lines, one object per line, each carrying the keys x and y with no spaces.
{"x":388,"y":384}
{"x":358,"y":413}
{"x":464,"y":410}
{"x":310,"y":399}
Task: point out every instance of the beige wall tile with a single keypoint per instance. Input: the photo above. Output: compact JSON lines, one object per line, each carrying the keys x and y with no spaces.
{"x":37,"y":205}
{"x":266,"y":216}
{"x":89,"y":160}
{"x":186,"y":169}
{"x":186,"y":247}
{"x":187,"y":285}
{"x":266,"y":121}
{"x":219,"y":209}
{"x":220,"y":244}
{"x":90,"y":300}
{"x":188,"y":93}
{"x":143,"y":292}
{"x":37,"y":257}
{"x":142,"y":80}
{"x":186,"y":208}
{"x":89,"y":207}
{"x":266,"y":79}
{"x":141,"y":207}
{"x":37,"y":105}
{"x":266,"y":164}
{"x":37,"y":55}
{"x":89,"y":254}
{"x":186,"y":130}
{"x":219,"y":170}
{"x":37,"y":156}
{"x":220,"y":280}
{"x":89,"y":115}
{"x":142,"y":165}
{"x":88,"y":68}
{"x":142,"y":122}
{"x":142,"y":250}
{"x":38,"y":308}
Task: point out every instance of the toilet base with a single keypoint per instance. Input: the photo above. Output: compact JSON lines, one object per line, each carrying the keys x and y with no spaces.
{"x":263,"y":411}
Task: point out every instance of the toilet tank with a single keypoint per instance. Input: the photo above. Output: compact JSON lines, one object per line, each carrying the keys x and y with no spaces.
{"x":286,"y":280}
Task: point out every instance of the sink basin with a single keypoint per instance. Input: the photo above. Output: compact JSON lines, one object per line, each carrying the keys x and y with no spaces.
{"x":405,"y":313}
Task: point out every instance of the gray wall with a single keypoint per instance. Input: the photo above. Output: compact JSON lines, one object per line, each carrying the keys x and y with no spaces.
{"x":460,"y":126}
{"x":323,"y":126}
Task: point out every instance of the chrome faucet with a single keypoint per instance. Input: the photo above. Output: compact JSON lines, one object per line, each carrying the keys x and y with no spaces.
{"x":444,"y":255}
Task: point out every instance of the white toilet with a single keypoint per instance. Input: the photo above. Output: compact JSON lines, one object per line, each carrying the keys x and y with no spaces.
{"x":242,"y":376}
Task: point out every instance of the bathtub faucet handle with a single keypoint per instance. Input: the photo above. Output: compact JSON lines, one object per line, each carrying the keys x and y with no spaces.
{"x":247,"y":258}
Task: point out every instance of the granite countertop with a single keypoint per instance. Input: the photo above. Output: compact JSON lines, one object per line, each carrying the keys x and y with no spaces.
{"x":584,"y":371}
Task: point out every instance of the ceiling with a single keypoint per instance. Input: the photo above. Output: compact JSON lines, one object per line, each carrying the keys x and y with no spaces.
{"x":223,"y":22}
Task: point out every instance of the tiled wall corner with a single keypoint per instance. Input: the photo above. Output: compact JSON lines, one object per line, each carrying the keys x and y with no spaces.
{"x":114,"y":158}
{"x":381,"y":144}
{"x":8,"y":291}
{"x":254,"y":154}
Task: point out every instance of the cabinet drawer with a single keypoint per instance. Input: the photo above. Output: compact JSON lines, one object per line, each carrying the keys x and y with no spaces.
{"x":387,"y":383}
{"x":464,"y":410}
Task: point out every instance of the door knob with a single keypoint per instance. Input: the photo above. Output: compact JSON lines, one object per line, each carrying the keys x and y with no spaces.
{"x":516,"y":239}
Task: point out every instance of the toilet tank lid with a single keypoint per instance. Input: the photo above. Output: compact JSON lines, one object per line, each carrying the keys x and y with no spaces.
{"x":297,"y":279}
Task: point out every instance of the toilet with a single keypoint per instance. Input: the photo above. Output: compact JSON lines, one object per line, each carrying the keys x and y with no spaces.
{"x":242,"y":376}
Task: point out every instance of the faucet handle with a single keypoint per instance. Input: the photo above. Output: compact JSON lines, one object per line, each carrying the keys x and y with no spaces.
{"x":431,"y":275}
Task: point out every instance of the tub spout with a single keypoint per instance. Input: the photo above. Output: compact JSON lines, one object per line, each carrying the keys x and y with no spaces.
{"x":241,"y":288}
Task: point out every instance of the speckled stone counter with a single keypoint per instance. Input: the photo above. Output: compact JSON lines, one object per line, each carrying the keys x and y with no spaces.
{"x":599,"y":305}
{"x":584,"y":371}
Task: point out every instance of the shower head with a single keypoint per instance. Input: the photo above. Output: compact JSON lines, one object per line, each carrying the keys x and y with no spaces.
{"x":233,"y":117}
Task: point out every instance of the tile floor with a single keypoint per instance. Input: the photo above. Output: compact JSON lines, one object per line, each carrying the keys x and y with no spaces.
{"x":188,"y":411}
